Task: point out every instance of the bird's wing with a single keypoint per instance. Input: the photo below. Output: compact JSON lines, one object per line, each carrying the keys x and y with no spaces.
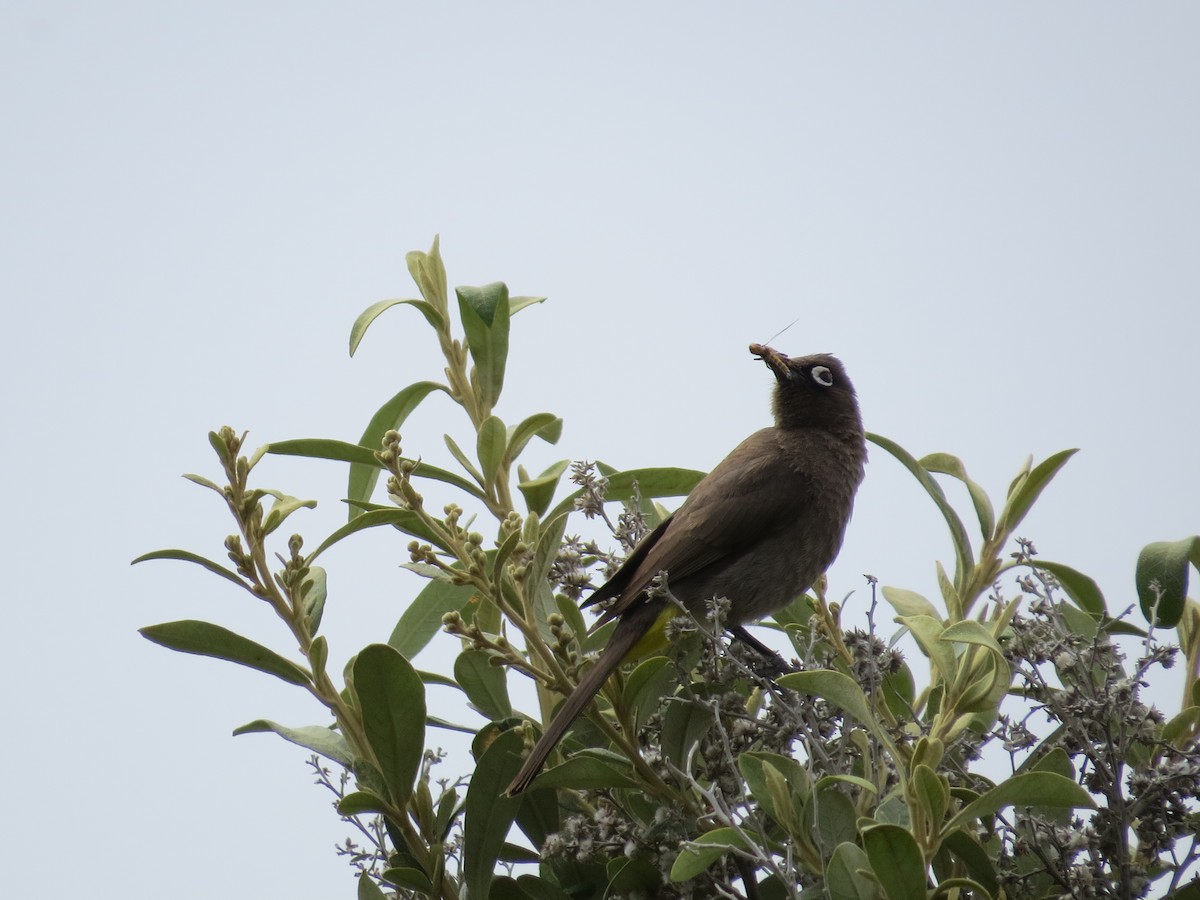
{"x":616,"y":585}
{"x":752,"y":493}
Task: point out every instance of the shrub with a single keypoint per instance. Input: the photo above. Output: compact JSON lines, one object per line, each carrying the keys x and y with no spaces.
{"x":706,"y":772}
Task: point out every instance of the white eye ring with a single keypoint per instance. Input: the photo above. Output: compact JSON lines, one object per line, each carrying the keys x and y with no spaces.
{"x":822,"y":376}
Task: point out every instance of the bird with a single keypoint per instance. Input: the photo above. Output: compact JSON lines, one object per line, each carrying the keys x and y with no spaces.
{"x":758,"y":530}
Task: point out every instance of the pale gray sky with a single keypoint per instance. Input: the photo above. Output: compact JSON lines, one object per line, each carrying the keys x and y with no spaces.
{"x":992,"y":215}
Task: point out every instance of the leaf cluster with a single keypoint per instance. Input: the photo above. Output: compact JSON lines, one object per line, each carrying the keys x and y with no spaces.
{"x":703,"y":771}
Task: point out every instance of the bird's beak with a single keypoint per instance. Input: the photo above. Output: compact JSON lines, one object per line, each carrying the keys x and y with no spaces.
{"x":777,"y":362}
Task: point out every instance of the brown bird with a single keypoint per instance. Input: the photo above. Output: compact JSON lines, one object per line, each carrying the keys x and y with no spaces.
{"x":759,"y":529}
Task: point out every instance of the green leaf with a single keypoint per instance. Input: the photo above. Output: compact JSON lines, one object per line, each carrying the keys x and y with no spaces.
{"x":893,"y":810}
{"x":318,"y":654}
{"x":363,"y":476}
{"x":317,"y":738}
{"x":832,"y":818}
{"x":982,"y":681}
{"x":952,"y":465}
{"x":754,"y":766}
{"x":185,"y":556}
{"x":218,"y":444}
{"x":650,"y":681}
{"x":909,"y":603}
{"x":1184,"y":725}
{"x":462,"y":458}
{"x":701,"y":853}
{"x":489,"y":813}
{"x":485,"y":315}
{"x":283,"y":507}
{"x":516,"y":304}
{"x":1120,"y":626}
{"x":778,"y":799}
{"x":423,"y":619}
{"x":341,"y":451}
{"x":963,"y":554}
{"x":204,"y":482}
{"x":1025,"y":491}
{"x":585,"y":773}
{"x":429,"y":273}
{"x":372,"y":312}
{"x":515,"y":853}
{"x":369,"y":890}
{"x":988,"y":680}
{"x":899,"y":692}
{"x":490,"y":445}
{"x":549,"y":540}
{"x":436,"y":722}
{"x":500,"y":561}
{"x":391,"y":699}
{"x":574,"y":620}
{"x":799,"y":784}
{"x":1083,"y":590}
{"x":447,"y":810}
{"x":684,"y":722}
{"x":897,"y":862}
{"x":404,"y":519}
{"x":504,"y":887}
{"x":547,"y":426}
{"x":427,"y":570}
{"x":840,"y":690}
{"x":358,"y":802}
{"x":484,"y":612}
{"x":433,"y":473}
{"x":854,"y":780}
{"x":483,"y":683}
{"x":1056,"y":761}
{"x":929,"y":751}
{"x":761,"y":772}
{"x":972,"y":855}
{"x":845,"y":877}
{"x":501,"y":557}
{"x":1165,"y":563}
{"x":928,"y":633}
{"x":325,"y":448}
{"x":405,"y":877}
{"x":949,"y":593}
{"x":206,"y":639}
{"x":316,"y":591}
{"x":1081,"y":623}
{"x":627,"y":877}
{"x":933,"y":793}
{"x":1033,"y":789}
{"x":256,"y":457}
{"x":538,"y":492}
{"x":969,"y":631}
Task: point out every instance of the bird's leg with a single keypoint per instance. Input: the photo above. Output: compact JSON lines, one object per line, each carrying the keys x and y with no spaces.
{"x":774,"y":664}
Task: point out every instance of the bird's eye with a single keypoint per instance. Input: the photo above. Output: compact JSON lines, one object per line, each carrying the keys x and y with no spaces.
{"x":822,"y":376}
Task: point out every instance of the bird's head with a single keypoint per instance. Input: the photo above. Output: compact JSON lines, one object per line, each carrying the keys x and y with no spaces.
{"x":810,"y":390}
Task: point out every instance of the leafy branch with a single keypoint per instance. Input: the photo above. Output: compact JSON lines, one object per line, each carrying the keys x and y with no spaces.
{"x":698,"y":773}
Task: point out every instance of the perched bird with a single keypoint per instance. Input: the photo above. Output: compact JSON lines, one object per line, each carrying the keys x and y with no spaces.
{"x":759,"y":529}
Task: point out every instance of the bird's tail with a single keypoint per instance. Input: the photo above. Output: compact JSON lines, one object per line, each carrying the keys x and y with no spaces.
{"x":625,"y":636}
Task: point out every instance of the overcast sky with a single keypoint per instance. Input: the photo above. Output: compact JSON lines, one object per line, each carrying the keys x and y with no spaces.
{"x":991,"y":215}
